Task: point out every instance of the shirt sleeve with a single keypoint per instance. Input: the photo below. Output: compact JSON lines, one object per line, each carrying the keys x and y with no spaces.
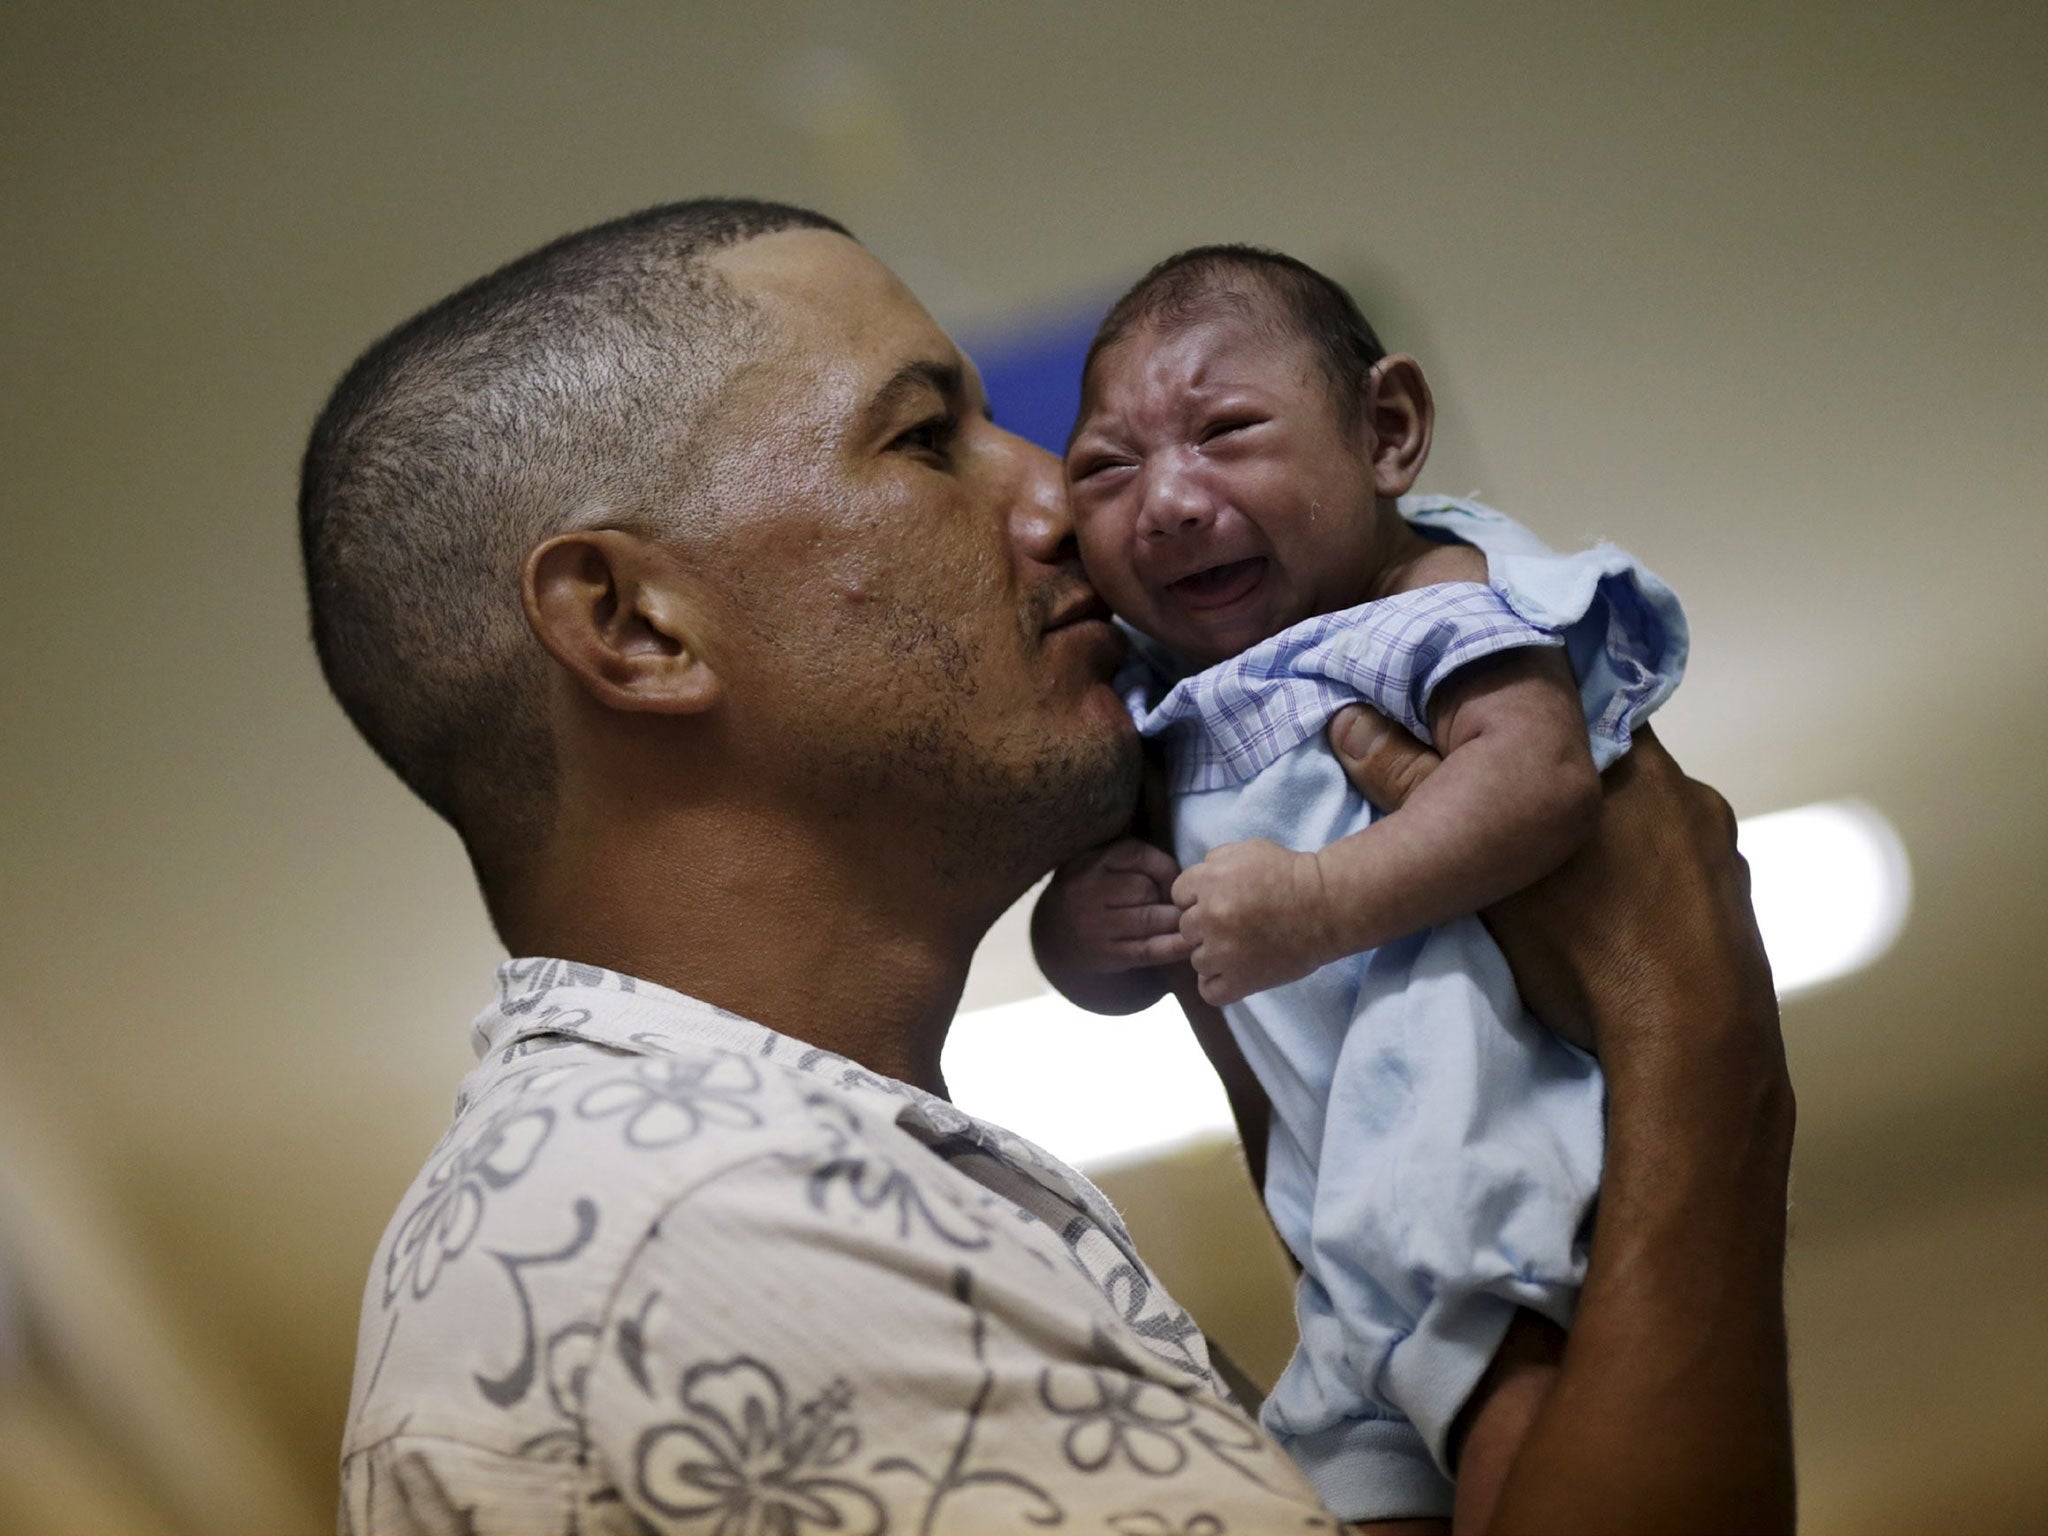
{"x":436,"y":1485}
{"x":849,"y":1342}
{"x":1401,"y":649}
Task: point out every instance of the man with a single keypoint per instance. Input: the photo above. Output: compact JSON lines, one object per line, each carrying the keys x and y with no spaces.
{"x":681,"y":568}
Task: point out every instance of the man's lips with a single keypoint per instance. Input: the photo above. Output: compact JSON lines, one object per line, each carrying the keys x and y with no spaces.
{"x":1094,"y":637}
{"x":1082,"y":607}
{"x":1081,"y":619}
{"x":1218,"y":586}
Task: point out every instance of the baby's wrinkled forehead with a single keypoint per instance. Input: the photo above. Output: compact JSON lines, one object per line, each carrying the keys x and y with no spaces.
{"x":1236,"y":301}
{"x":1176,"y":350}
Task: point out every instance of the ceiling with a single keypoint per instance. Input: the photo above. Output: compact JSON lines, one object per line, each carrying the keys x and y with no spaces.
{"x":1759,"y":292}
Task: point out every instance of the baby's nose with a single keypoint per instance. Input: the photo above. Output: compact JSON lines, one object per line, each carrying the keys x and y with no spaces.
{"x":1175,"y":503}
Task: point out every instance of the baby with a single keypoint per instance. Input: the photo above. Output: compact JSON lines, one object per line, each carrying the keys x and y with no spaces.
{"x":1239,"y":476}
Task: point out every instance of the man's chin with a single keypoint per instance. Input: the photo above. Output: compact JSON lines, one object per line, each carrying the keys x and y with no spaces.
{"x":1071,"y":789}
{"x":1103,"y":786}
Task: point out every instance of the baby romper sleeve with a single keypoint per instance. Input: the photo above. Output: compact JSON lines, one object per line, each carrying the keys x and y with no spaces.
{"x":1621,"y":626}
{"x":1226,"y":725}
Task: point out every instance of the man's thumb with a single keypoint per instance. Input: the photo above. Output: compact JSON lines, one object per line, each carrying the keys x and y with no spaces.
{"x":1383,"y":761}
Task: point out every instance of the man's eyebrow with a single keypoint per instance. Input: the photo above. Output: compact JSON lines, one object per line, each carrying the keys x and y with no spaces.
{"x":946,"y":379}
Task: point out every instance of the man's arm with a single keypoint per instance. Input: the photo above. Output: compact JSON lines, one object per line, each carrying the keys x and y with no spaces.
{"x":1668,"y":1407}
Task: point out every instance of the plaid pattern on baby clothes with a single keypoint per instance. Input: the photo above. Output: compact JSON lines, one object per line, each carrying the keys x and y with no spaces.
{"x":1226,"y":723}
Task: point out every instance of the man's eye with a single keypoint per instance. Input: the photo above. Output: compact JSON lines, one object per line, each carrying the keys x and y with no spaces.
{"x":933,"y":435}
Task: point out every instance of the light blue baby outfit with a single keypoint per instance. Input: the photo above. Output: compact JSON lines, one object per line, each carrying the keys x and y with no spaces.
{"x":1434,"y":1151}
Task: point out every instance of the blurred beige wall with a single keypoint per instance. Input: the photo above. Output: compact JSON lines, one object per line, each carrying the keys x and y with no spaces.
{"x":1758,"y":291}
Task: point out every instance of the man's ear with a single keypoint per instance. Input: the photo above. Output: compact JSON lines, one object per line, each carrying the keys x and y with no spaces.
{"x":617,"y":612}
{"x":1400,"y":419}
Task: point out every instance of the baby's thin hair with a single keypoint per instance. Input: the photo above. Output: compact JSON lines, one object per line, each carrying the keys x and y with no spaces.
{"x":1262,"y":286}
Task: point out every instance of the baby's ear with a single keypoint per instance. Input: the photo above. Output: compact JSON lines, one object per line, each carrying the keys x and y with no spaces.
{"x":620,"y":614}
{"x":1400,"y":418}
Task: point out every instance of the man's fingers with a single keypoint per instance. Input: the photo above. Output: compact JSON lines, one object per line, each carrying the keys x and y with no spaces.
{"x":1717,"y":809}
{"x":1383,"y":761}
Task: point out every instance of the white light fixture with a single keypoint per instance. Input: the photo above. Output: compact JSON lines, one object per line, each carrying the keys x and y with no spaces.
{"x":1831,"y":886}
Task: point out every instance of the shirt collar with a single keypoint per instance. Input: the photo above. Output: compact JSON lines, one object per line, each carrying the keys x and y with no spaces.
{"x":566,"y":999}
{"x":539,"y":997}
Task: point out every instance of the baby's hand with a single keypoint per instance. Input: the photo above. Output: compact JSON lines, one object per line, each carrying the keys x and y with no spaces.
{"x":1108,"y":910}
{"x":1257,"y":916}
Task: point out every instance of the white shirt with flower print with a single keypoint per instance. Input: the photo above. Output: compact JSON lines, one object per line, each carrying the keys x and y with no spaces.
{"x":669,"y":1270}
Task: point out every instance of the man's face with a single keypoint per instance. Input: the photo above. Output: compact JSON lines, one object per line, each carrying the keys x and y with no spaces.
{"x":918,"y":633}
{"x":1218,"y":496}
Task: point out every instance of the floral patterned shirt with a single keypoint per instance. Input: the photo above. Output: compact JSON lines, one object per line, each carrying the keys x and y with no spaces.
{"x":669,"y":1270}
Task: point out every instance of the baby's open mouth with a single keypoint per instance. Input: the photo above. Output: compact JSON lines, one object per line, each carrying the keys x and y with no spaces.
{"x":1220,"y":584}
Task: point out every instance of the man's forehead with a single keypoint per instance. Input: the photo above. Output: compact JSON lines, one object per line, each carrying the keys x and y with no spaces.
{"x":832,"y":298}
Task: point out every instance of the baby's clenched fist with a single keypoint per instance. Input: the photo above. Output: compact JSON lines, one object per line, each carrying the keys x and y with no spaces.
{"x":1257,"y":916}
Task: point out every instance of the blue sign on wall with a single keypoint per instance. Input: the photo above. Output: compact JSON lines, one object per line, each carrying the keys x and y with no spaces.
{"x":1033,"y":374}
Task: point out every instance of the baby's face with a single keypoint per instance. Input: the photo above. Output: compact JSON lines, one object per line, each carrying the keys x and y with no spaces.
{"x":1218,"y":496}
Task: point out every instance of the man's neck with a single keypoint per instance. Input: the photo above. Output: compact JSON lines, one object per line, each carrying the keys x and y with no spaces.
{"x":804,"y":927}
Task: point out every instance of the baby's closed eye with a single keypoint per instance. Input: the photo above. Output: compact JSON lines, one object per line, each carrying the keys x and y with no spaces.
{"x":1227,"y":426}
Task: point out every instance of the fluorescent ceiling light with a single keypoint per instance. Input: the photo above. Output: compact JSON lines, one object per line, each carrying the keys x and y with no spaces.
{"x":1831,"y":886}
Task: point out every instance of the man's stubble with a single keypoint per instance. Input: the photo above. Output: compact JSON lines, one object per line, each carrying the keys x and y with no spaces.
{"x":1007,"y":798}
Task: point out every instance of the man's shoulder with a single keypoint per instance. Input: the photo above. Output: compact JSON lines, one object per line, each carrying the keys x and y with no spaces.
{"x":554,"y":1123}
{"x":563,"y":1155}
{"x":571,"y":1108}
{"x":615,"y":1259}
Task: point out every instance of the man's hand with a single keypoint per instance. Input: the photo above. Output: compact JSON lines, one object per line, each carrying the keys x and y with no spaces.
{"x":1256,"y":916}
{"x":1669,"y":1409}
{"x":1109,"y":910}
{"x":1654,"y":906}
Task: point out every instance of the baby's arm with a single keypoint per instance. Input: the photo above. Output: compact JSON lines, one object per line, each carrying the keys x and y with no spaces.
{"x":1516,"y":794}
{"x":1105,"y":924}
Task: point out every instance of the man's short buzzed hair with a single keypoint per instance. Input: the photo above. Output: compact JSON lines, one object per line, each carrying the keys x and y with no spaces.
{"x":1261,"y":286}
{"x":567,"y":389}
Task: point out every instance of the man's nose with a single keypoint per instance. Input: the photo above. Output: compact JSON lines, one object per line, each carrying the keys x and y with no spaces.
{"x":1041,"y":522}
{"x":1176,"y":502}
